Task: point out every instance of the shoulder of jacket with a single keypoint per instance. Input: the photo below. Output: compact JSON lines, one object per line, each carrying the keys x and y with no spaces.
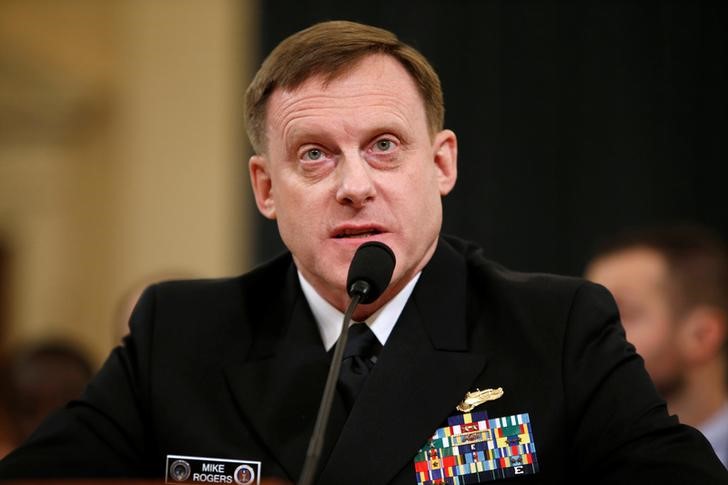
{"x":506,"y":285}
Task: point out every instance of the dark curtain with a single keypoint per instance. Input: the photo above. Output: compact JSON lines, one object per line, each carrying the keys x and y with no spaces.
{"x":574,"y":119}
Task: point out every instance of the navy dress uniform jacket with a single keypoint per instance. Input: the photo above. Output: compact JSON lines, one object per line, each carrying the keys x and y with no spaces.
{"x":235,"y":369}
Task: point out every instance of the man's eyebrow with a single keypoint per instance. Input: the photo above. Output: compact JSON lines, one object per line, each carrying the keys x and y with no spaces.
{"x":295,"y":135}
{"x":395,"y":125}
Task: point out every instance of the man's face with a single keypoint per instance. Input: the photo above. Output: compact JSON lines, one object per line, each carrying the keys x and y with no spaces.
{"x":353,"y":161}
{"x":638,"y":279}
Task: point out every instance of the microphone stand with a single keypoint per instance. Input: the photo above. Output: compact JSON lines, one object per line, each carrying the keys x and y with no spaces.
{"x":358,"y":290}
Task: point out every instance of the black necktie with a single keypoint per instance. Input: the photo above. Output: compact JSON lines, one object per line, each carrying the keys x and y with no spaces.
{"x":360,"y":355}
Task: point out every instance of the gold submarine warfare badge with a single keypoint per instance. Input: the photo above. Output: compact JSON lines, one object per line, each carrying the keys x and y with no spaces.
{"x":478,"y":397}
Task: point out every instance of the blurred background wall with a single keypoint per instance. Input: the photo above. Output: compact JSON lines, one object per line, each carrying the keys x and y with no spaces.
{"x":122,"y":157}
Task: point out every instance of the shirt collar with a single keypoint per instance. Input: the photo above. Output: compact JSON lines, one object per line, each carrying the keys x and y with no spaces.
{"x":715,"y":430}
{"x":329,"y":319}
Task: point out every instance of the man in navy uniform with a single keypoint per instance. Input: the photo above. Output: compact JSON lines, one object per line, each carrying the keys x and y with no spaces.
{"x":472,"y":373}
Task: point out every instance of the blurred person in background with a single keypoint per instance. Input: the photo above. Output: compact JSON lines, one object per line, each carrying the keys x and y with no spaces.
{"x":38,"y":380}
{"x":671,"y":287}
{"x":7,"y":443}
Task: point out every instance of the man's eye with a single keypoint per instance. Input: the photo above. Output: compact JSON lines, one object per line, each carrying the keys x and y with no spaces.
{"x":313,"y":154}
{"x":384,"y":145}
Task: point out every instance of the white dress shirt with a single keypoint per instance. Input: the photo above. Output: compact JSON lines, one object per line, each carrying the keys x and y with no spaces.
{"x":715,"y":430}
{"x":329,"y":319}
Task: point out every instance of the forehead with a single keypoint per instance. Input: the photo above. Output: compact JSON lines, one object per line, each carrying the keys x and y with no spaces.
{"x":378,"y":82}
{"x":631,"y":267}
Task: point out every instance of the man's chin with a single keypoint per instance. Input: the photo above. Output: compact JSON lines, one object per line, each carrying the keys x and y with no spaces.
{"x":668,"y":388}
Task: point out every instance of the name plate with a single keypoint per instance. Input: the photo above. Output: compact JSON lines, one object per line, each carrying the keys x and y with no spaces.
{"x":199,"y":469}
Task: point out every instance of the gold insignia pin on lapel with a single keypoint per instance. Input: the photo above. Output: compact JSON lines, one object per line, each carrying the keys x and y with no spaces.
{"x":478,"y":397}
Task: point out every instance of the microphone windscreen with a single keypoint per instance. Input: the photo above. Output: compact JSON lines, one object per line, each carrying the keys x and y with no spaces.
{"x":373,"y":263}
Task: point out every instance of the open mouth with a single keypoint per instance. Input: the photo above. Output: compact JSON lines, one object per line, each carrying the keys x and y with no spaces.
{"x":357,"y":233}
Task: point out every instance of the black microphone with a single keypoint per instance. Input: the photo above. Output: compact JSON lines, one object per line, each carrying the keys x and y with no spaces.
{"x":369,"y":275}
{"x":370,"y":271}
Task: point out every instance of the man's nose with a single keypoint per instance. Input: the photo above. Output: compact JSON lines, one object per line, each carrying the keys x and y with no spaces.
{"x":356,"y":186}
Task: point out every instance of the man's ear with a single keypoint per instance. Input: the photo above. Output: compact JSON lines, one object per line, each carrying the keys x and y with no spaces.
{"x":262,"y":185}
{"x":446,"y":159}
{"x":703,"y":334}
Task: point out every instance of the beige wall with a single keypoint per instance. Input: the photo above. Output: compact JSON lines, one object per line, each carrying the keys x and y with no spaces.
{"x":122,"y":154}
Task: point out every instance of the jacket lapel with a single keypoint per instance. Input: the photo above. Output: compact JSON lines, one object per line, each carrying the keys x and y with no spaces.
{"x":279,"y":388}
{"x":423,"y":372}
